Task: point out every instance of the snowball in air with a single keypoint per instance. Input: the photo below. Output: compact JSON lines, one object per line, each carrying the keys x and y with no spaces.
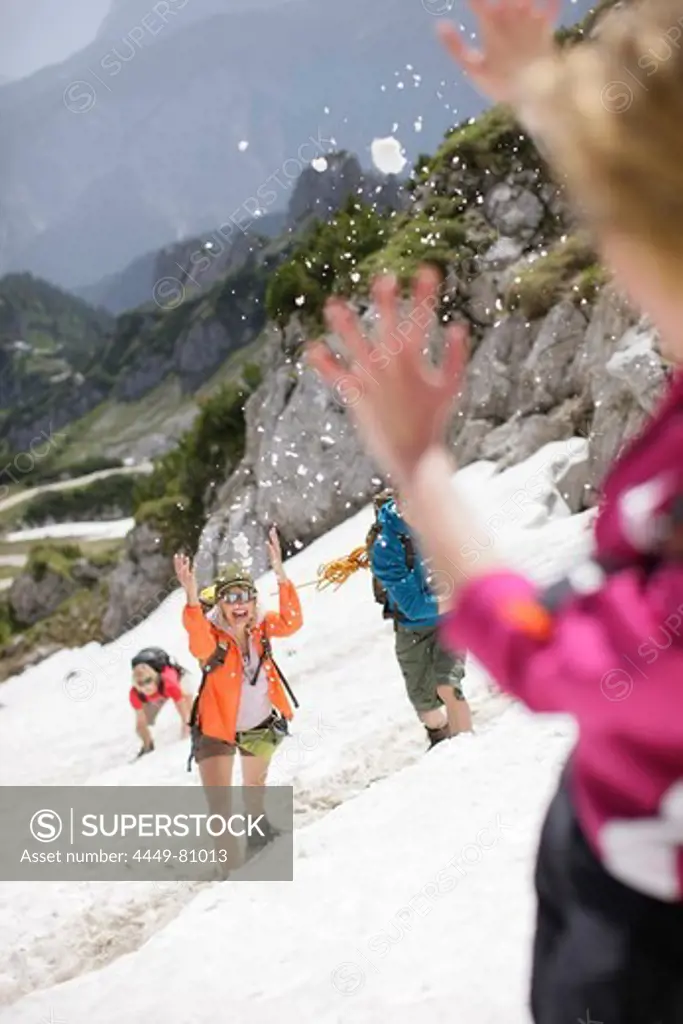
{"x":242,"y":145}
{"x":387,"y":155}
{"x":319,"y":164}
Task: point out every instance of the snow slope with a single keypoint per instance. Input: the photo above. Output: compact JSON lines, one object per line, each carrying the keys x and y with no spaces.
{"x":376,"y":821}
{"x":112,"y":530}
{"x":73,"y":484}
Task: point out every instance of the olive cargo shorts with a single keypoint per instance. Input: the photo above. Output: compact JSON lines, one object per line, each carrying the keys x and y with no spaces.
{"x":261,"y":741}
{"x":425,"y":664}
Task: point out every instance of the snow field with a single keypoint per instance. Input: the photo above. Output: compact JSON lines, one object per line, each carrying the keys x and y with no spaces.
{"x":112,"y":530}
{"x":186,"y":953}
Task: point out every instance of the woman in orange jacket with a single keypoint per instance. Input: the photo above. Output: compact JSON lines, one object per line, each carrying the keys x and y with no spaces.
{"x":242,"y":704}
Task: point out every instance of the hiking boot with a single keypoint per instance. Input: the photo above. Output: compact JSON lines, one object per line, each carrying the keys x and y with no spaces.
{"x":145,"y":750}
{"x":256,"y":841}
{"x":437,"y":735}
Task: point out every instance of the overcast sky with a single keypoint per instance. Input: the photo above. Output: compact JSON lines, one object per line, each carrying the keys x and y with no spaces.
{"x":34,"y":33}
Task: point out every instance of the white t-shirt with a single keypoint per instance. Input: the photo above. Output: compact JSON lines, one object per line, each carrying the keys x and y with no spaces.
{"x":255,"y":704}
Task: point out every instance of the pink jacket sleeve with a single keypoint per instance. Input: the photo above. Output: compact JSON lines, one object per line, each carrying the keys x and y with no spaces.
{"x":171,"y":680}
{"x":572,"y":660}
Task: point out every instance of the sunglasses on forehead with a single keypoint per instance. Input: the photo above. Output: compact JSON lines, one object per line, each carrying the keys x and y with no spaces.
{"x":236,"y":596}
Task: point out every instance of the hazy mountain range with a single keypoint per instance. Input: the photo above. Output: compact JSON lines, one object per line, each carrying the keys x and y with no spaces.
{"x":183,"y":115}
{"x":36,"y":33}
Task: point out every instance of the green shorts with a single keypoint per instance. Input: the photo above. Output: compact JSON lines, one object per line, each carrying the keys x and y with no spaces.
{"x":425,"y":664}
{"x":261,"y":741}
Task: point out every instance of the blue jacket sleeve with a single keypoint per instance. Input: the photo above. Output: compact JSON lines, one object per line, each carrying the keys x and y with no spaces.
{"x":407,"y":588}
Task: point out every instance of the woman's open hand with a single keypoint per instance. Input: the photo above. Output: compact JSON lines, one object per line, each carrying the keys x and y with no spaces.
{"x":401,"y":403}
{"x":185,"y":573}
{"x":513,"y":34}
{"x":275,"y":553}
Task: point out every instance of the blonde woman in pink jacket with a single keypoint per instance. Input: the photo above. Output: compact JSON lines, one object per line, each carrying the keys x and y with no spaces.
{"x":609,"y":937}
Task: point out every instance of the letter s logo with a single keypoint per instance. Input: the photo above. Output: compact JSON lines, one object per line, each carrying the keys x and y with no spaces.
{"x":46,"y":826}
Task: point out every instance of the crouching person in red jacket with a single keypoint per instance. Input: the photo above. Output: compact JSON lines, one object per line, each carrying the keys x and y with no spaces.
{"x":156,"y":679}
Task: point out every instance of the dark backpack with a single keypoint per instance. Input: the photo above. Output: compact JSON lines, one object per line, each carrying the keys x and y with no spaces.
{"x":158,"y":659}
{"x":378,"y":590}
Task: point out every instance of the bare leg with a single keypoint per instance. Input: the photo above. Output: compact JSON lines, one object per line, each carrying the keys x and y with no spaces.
{"x":254,"y":776}
{"x":216,"y":775}
{"x":457,"y":710}
{"x":143,"y":730}
{"x":255,"y":773}
{"x":216,"y":772}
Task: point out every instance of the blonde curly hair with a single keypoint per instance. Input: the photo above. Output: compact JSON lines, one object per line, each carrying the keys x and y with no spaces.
{"x":610,"y":115}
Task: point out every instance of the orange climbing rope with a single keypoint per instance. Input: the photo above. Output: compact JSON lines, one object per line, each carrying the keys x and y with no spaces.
{"x":336,"y":572}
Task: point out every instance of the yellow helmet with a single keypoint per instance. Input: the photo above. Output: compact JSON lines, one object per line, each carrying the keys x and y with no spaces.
{"x":207,"y":597}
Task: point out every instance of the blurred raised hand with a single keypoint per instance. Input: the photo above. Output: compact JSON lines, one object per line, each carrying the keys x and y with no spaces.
{"x":400,"y":402}
{"x":513,"y":34}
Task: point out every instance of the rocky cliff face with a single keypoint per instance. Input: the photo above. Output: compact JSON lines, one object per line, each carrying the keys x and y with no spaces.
{"x":584,"y":367}
{"x":581,"y":365}
{"x":325,"y":186}
{"x":141,"y":581}
{"x":591,"y":372}
{"x":557,"y":354}
{"x":47,"y":340}
{"x":39,"y":591}
{"x":206,"y":332}
{"x":303,"y":469}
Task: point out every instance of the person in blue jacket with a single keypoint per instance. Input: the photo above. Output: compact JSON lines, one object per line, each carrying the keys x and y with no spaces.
{"x":433,"y":676}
